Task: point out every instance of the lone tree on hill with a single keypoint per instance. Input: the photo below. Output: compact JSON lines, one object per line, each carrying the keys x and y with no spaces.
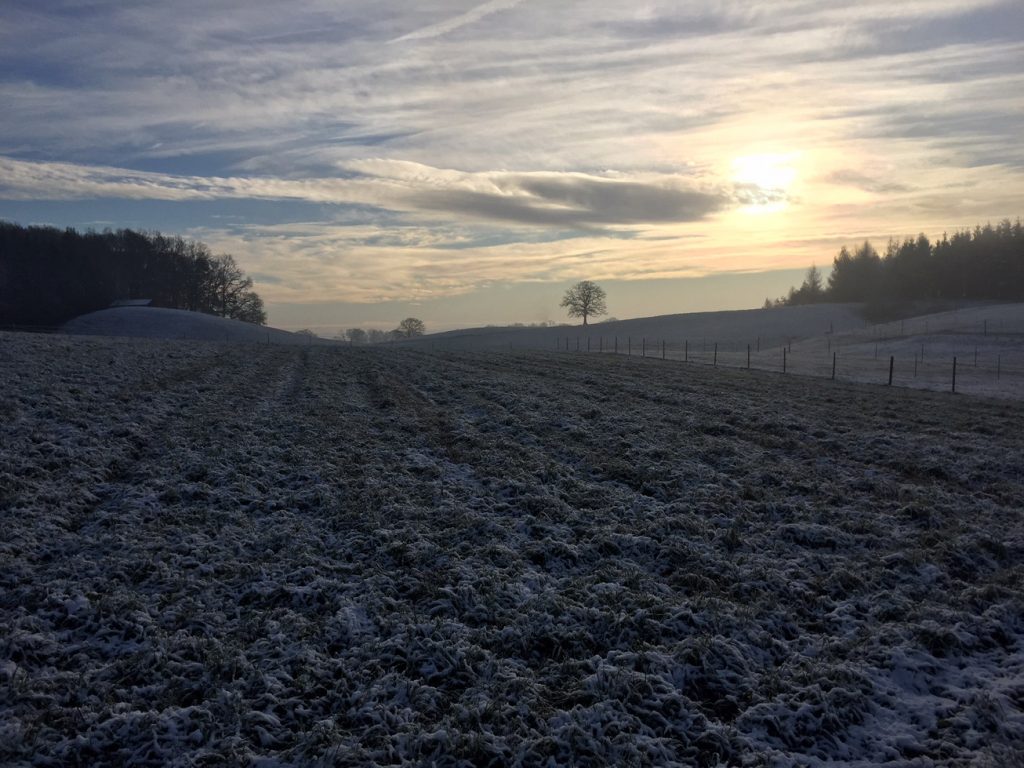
{"x":410,"y":327}
{"x":585,"y":299}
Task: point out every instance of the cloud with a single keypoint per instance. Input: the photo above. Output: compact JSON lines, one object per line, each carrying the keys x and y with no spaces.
{"x":574,"y":201}
{"x":533,"y":199}
{"x":503,"y":140}
{"x":867,"y":183}
{"x":457,"y":22}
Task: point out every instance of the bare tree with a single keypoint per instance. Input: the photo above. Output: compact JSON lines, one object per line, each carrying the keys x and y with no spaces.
{"x":410,"y":327}
{"x":585,"y":299}
{"x":356,"y":336}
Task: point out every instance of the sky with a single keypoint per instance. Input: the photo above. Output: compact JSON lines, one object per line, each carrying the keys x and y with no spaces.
{"x":465,"y":162}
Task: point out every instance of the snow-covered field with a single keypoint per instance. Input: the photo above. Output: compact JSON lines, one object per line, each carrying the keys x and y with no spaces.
{"x":773,"y":326}
{"x":987,"y":342}
{"x":162,"y":323}
{"x":219,"y":554}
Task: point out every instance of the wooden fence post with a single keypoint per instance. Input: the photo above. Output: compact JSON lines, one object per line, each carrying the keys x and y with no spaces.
{"x":833,"y":366}
{"x":716,"y":355}
{"x":892,"y":360}
{"x":954,"y":373}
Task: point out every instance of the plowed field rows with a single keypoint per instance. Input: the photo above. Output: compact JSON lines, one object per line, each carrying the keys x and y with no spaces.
{"x":215,"y":554}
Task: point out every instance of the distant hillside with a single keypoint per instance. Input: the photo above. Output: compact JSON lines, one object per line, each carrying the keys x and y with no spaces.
{"x":159,"y":323}
{"x":773,"y":325}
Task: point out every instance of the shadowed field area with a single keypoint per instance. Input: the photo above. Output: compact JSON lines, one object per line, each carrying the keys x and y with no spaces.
{"x":217,"y":553}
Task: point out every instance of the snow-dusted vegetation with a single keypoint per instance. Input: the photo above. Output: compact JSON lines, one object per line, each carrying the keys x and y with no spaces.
{"x":218,"y":554}
{"x":162,"y":323}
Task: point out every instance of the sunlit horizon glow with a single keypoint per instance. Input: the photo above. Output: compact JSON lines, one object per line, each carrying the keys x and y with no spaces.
{"x":425,"y":157}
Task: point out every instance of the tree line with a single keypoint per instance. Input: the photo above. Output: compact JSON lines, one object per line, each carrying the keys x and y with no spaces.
{"x":984,"y":263}
{"x":409,"y":328}
{"x":50,"y":275}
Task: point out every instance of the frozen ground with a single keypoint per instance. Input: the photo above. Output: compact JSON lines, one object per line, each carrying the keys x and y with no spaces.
{"x":773,"y":326}
{"x":987,"y":342}
{"x":216,"y":554}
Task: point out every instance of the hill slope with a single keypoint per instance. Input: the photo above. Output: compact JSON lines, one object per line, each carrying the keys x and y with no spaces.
{"x":158,"y":323}
{"x":773,"y":325}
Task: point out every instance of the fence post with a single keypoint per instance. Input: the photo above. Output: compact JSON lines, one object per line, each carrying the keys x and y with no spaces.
{"x":783,"y":359}
{"x":954,"y":373}
{"x":833,"y":366}
{"x":616,"y":345}
{"x":915,"y":365}
{"x":892,"y":360}
{"x":716,"y":355}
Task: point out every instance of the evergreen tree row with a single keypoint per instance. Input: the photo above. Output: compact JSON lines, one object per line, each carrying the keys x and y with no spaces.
{"x":49,"y":275}
{"x":986,"y":263}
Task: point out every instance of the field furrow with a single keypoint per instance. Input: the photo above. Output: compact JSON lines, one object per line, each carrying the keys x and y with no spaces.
{"x":221,"y":554}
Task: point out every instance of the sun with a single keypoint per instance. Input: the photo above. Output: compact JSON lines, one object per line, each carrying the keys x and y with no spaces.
{"x":769,"y":177}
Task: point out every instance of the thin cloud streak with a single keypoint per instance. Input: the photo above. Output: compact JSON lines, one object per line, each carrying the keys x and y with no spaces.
{"x":462,"y":20}
{"x":583,"y":136}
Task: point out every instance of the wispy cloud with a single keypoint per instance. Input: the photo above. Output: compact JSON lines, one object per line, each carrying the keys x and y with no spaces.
{"x":570,"y":200}
{"x":457,"y":22}
{"x":464,"y":141}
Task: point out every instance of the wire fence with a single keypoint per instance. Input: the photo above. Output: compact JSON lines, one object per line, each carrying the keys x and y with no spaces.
{"x":995,"y":367}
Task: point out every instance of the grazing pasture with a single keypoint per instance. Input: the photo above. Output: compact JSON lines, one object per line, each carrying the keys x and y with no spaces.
{"x":275,"y":555}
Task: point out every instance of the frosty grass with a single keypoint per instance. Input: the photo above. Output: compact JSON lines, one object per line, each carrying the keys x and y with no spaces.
{"x":215,"y":554}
